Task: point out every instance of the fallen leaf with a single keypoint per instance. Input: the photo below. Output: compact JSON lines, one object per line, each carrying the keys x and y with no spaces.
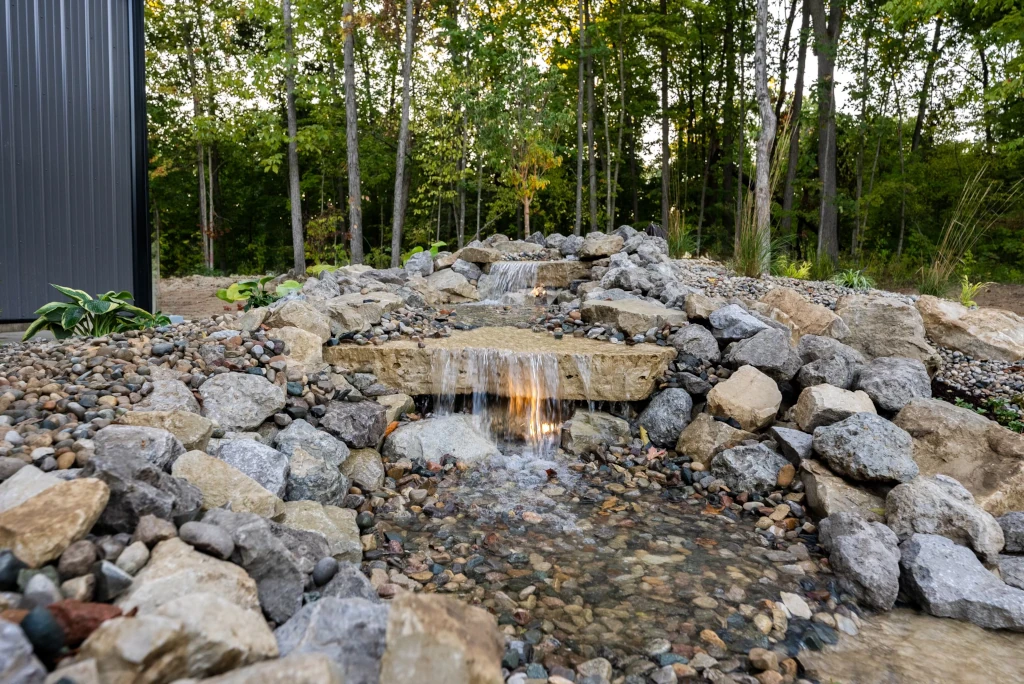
{"x":392,"y":426}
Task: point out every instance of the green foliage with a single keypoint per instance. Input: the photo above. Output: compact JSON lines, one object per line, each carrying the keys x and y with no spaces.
{"x":998,"y":409}
{"x":317,"y":269}
{"x":255,"y":292}
{"x":786,"y":267}
{"x":435,"y":247}
{"x":110,"y":312}
{"x":378,"y":258}
{"x":852,"y":278}
{"x":969,"y":290}
{"x":822,"y":268}
{"x":681,"y":240}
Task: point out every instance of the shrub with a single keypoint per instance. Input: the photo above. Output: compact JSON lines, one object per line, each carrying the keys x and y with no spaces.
{"x":110,"y":312}
{"x":255,"y":292}
{"x":854,"y":279}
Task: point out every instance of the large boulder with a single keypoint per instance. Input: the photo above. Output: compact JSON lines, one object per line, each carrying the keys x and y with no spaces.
{"x":23,"y":485}
{"x":632,"y":316}
{"x":191,"y":429}
{"x":467,"y":269}
{"x":827,"y":361}
{"x":300,"y":314}
{"x":948,"y":580}
{"x":982,"y":455}
{"x":666,"y":416}
{"x":420,"y":263}
{"x":885,"y":326}
{"x":748,"y":396}
{"x":157,"y":446}
{"x":705,"y":436}
{"x":768,"y":351}
{"x":351,"y":632}
{"x":892,"y":382}
{"x":267,"y":466}
{"x":224,"y":485}
{"x":802,"y":316}
{"x":979,"y":333}
{"x":434,"y":639}
{"x":168,"y":395}
{"x":596,"y":245}
{"x":304,"y":349}
{"x":867,"y":447}
{"x":697,"y":341}
{"x":478,"y":254}
{"x":865,"y":556}
{"x":453,"y":286}
{"x":432,"y":439}
{"x":337,"y":525}
{"x":360,"y":424}
{"x":315,"y":459}
{"x":1011,"y":569}
{"x":940,"y":505}
{"x":828,"y":494}
{"x":39,"y":529}
{"x":796,"y":445}
{"x":732,"y":322}
{"x":590,"y":432}
{"x":748,"y":468}
{"x":825,"y":404}
{"x":240,"y":401}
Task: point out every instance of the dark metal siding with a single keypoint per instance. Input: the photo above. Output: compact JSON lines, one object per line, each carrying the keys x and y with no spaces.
{"x":72,"y":151}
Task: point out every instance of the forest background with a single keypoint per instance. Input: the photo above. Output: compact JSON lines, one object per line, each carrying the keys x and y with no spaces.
{"x":291,"y":133}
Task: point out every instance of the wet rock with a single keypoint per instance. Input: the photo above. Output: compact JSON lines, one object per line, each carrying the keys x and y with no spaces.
{"x":589,"y":432}
{"x":704,"y":437}
{"x":865,"y":556}
{"x":240,"y":401}
{"x":867,"y":447}
{"x":467,"y":269}
{"x":666,"y":416}
{"x":224,"y":485}
{"x":337,"y":525}
{"x":365,"y":468}
{"x":768,"y":351}
{"x":17,"y":661}
{"x":266,"y":466}
{"x":753,"y":468}
{"x":697,"y":341}
{"x":825,"y":404}
{"x":207,"y":538}
{"x":396,"y":405}
{"x":749,"y":396}
{"x":157,"y":446}
{"x":433,"y":438}
{"x":893,"y":382}
{"x":191,"y":429}
{"x":359,"y":424}
{"x":314,"y":458}
{"x":828,"y":494}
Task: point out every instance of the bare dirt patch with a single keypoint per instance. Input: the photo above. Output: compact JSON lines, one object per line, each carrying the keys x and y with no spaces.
{"x":193,"y":297}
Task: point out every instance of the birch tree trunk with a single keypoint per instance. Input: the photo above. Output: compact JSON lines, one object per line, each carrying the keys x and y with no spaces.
{"x":398,"y":217}
{"x":298,"y":246}
{"x":591,"y":150}
{"x":355,"y":200}
{"x":763,"y":202}
{"x":579,"y":128}
{"x":200,"y":153}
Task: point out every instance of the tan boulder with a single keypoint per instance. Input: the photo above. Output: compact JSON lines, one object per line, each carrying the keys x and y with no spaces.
{"x":885,"y":326}
{"x":337,"y":525}
{"x":23,"y":485}
{"x":39,"y":529}
{"x":304,"y":349}
{"x":298,"y":668}
{"x":978,"y":333}
{"x":251,"y":320}
{"x":984,"y":456}
{"x":346,"y":318}
{"x":749,"y":396}
{"x":191,"y":429}
{"x":597,"y":245}
{"x":820,"y":405}
{"x":396,"y":405}
{"x":300,"y":314}
{"x":802,"y":316}
{"x":632,"y":316}
{"x":223,"y":484}
{"x":365,"y":468}
{"x":827,"y":493}
{"x":434,"y":639}
{"x":480,"y":255}
{"x":704,"y":437}
{"x":699,"y":306}
{"x":146,"y":648}
{"x":454,"y":287}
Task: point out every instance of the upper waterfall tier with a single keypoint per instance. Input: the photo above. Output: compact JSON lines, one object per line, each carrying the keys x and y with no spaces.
{"x":617,"y":372}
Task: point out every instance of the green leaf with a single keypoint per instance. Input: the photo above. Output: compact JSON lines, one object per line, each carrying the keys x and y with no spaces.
{"x":52,"y":306}
{"x":73,"y":316}
{"x":77,"y":295}
{"x":98,"y":306}
{"x":37,"y":325}
{"x":287,"y":287}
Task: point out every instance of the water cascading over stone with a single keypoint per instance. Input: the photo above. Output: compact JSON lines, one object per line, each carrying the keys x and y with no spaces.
{"x":508,"y":276}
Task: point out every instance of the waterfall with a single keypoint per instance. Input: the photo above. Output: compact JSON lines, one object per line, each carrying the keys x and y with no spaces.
{"x":508,"y":276}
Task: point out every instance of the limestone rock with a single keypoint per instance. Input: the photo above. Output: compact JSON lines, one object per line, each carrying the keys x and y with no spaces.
{"x":251,"y":320}
{"x":395,"y":406}
{"x":365,"y":468}
{"x":480,"y":254}
{"x":867,"y":447}
{"x":23,"y":485}
{"x":305,"y":668}
{"x":748,"y":468}
{"x":322,"y":287}
{"x":892,"y":382}
{"x":948,"y":580}
{"x":222,"y":484}
{"x":824,"y":404}
{"x":596,"y":245}
{"x":979,"y":333}
{"x":240,"y":401}
{"x":666,"y":416}
{"x":885,"y":326}
{"x":145,"y":648}
{"x":453,"y":286}
{"x":732,"y":322}
{"x":704,"y":437}
{"x":315,"y":458}
{"x":829,"y":494}
{"x":304,"y":349}
{"x":435,"y":639}
{"x":1013,"y":531}
{"x":39,"y":529}
{"x":337,"y":525}
{"x":433,"y":438}
{"x":18,"y":664}
{"x":940,"y":505}
{"x":359,"y":424}
{"x":169,"y":395}
{"x":696,"y":340}
{"x":420,"y":263}
{"x":795,"y":445}
{"x":865,"y":556}
{"x":266,"y":466}
{"x":749,"y":396}
{"x":700,"y":306}
{"x":632,"y":316}
{"x":828,"y":361}
{"x":590,"y":432}
{"x":1011,"y":569}
{"x":802,"y":316}
{"x":350,"y":582}
{"x":769,"y":352}
{"x":982,"y":455}
{"x":299,"y":314}
{"x":191,"y":429}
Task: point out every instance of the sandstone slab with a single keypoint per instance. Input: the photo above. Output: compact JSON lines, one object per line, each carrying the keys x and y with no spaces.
{"x":979,"y":333}
{"x":802,"y":316}
{"x":632,"y":316}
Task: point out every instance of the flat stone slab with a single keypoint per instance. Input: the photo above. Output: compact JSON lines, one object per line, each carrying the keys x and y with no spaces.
{"x":511,"y":362}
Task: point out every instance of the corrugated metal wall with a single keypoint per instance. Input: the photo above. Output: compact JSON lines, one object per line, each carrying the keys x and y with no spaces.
{"x":72,"y":151}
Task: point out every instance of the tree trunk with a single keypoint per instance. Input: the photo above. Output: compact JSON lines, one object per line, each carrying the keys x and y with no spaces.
{"x":607,"y":150}
{"x":984,"y":89}
{"x":479,"y":186}
{"x":355,"y":200}
{"x":579,"y":126}
{"x":786,"y":226}
{"x":294,"y":196}
{"x":211,"y":225}
{"x":865,"y":85}
{"x":740,"y":186}
{"x":591,"y":150}
{"x":398,"y":216}
{"x":826,"y":41}
{"x":666,"y":156}
{"x":784,"y":66}
{"x":729,"y":109}
{"x":929,"y":72}
{"x":903,"y":181}
{"x":763,"y":206}
{"x":200,"y":152}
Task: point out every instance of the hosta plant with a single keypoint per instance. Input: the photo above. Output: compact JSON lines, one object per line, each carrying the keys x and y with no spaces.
{"x":255,"y":292}
{"x":110,"y":312}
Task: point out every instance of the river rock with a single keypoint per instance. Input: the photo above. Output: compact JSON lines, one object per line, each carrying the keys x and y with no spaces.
{"x":337,"y":525}
{"x":144,"y":648}
{"x":825,"y":404}
{"x":433,"y":438}
{"x":39,"y":529}
{"x":802,"y":316}
{"x":365,"y":468}
{"x":191,"y":429}
{"x":696,"y":340}
{"x":1013,"y":531}
{"x":732,"y":322}
{"x":948,"y":580}
{"x":596,"y":245}
{"x":748,"y":468}
{"x":885,"y":326}
{"x":224,"y":485}
{"x":437,"y":640}
{"x":240,"y":401}
{"x":748,"y":396}
{"x":829,"y":494}
{"x":982,"y":455}
{"x":865,"y":556}
{"x":315,"y":458}
{"x":940,"y":505}
{"x":590,"y":432}
{"x":704,"y":437}
{"x":351,"y":632}
{"x":18,"y":664}
{"x":769,"y":352}
{"x":305,"y":668}
{"x":359,"y":424}
{"x":666,"y":416}
{"x":795,"y":445}
{"x":299,"y":314}
{"x":267,"y":466}
{"x":892,"y":382}
{"x":632,"y":316}
{"x":981,"y":333}
{"x":23,"y":485}
{"x":867,"y":447}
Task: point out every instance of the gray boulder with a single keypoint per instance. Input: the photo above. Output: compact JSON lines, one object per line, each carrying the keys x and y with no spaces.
{"x":1013,"y":531}
{"x":467,"y":269}
{"x":941,"y":505}
{"x":350,"y":582}
{"x":169,"y":395}
{"x":434,"y":438}
{"x":867,"y":447}
{"x":948,"y":580}
{"x":359,"y":424}
{"x":732,"y":322}
{"x":571,"y":245}
{"x":768,"y":351}
{"x":591,"y":432}
{"x":796,"y":445}
{"x":666,"y":416}
{"x":266,"y":465}
{"x":696,"y":340}
{"x":18,"y":663}
{"x":748,"y":468}
{"x":240,"y":401}
{"x":349,"y":631}
{"x":1011,"y":569}
{"x":210,"y":539}
{"x":865,"y":556}
{"x":306,"y":546}
{"x":827,"y":361}
{"x":315,"y":459}
{"x":892,"y":382}
{"x":816,"y":347}
{"x":421,"y":263}
{"x":157,"y":446}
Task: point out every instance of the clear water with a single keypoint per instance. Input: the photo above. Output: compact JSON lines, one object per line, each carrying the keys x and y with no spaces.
{"x":506,"y":277}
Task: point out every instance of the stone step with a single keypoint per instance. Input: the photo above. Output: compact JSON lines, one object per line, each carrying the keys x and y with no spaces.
{"x":616,"y":372}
